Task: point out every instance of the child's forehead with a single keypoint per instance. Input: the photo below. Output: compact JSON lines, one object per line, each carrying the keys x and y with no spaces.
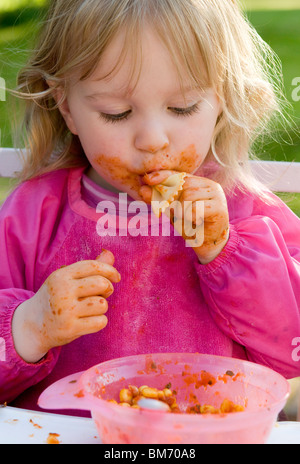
{"x":122,"y":67}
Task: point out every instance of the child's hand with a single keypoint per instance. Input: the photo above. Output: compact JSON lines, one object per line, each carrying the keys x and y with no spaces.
{"x":216,"y":217}
{"x":71,"y":303}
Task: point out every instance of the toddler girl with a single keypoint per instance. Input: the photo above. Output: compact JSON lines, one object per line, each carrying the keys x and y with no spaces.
{"x":120,"y":95}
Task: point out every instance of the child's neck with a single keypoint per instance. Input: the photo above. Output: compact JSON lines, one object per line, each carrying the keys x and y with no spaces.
{"x":95,"y":177}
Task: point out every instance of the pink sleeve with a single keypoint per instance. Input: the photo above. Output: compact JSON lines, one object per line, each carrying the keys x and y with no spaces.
{"x":253,"y":287}
{"x":15,"y":374}
{"x":18,"y":245}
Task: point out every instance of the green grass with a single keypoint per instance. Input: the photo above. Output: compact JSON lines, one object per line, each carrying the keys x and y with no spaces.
{"x":280,"y":29}
{"x":270,"y":4}
{"x":14,"y":45}
{"x":5,"y":187}
{"x":13,"y":5}
{"x":277,"y":21}
{"x":292,"y":200}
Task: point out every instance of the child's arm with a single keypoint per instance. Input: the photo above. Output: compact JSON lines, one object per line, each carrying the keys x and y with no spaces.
{"x":66,"y":307}
{"x":15,"y":374}
{"x":253,"y":287}
{"x":27,"y":220}
{"x":251,"y":281}
{"x":18,"y":255}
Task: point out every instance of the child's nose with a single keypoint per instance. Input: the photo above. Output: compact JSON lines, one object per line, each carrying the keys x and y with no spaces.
{"x":151,"y":137}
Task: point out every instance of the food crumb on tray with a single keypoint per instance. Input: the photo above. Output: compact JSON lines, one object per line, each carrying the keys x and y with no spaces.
{"x":52,"y":439}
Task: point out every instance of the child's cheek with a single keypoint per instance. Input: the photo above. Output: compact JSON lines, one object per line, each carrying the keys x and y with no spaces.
{"x":114,"y":171}
{"x":190,"y":160}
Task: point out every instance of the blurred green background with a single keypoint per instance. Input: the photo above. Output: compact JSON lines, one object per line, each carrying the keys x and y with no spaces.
{"x":277,"y":21}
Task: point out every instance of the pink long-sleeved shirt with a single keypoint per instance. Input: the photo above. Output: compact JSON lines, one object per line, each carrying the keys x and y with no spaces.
{"x":245,"y":303}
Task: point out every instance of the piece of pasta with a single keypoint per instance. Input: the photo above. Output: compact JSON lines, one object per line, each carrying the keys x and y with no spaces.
{"x":165,"y":193}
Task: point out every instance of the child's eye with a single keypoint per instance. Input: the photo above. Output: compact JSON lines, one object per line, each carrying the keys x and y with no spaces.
{"x":115,"y":117}
{"x":185,"y":111}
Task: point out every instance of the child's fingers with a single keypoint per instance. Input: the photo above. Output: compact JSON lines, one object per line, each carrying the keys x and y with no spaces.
{"x":88,"y":325}
{"x":92,"y":306}
{"x":89,"y":268}
{"x":196,"y":194}
{"x":106,"y":257}
{"x":194,"y":189}
{"x":152,"y":179}
{"x":146,"y":193}
{"x":201,"y":189}
{"x":202,"y":184}
{"x":93,"y":286}
{"x":157,"y":177}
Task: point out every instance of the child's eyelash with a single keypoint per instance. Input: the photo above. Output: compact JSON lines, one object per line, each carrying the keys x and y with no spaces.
{"x":185,"y":111}
{"x":113,"y":118}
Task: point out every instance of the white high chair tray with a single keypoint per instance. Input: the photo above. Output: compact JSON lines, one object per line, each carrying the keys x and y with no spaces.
{"x":21,"y":426}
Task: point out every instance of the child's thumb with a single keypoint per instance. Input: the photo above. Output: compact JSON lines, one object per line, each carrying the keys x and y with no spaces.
{"x":106,"y":257}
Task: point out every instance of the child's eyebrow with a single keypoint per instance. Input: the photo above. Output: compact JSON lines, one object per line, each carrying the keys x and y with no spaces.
{"x":99,"y":95}
{"x":128,"y":92}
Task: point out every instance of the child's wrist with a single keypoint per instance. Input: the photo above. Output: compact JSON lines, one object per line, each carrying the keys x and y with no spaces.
{"x":208,"y":254}
{"x":25,"y":342}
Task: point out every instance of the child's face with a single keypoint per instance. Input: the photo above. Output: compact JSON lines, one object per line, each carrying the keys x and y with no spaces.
{"x":126,"y":132}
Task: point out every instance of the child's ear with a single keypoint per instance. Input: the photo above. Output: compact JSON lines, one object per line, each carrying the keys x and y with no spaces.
{"x":61,"y":99}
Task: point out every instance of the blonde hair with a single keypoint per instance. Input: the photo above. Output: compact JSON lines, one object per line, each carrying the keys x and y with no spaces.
{"x":239,"y":65}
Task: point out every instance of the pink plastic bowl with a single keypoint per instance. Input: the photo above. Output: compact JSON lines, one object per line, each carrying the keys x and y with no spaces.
{"x":260,"y":390}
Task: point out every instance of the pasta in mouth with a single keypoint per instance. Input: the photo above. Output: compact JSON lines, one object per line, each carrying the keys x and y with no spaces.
{"x":165,"y":193}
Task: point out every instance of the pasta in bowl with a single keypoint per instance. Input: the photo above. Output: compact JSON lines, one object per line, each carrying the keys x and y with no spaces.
{"x":198,"y":379}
